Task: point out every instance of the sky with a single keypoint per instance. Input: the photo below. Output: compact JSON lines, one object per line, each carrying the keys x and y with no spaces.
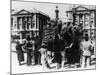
{"x":47,"y":8}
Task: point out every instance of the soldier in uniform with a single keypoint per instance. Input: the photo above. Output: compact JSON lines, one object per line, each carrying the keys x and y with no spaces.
{"x":43,"y":51}
{"x":29,"y":47}
{"x":85,"y":45}
{"x":20,"y":53}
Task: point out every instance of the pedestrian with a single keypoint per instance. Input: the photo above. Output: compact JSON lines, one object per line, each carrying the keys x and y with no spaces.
{"x":92,"y":47}
{"x":49,"y":57}
{"x":58,"y":59}
{"x":29,"y":48}
{"x":20,"y":53}
{"x":86,"y":55}
{"x":37,"y":55}
{"x":43,"y":51}
{"x":33,"y":52}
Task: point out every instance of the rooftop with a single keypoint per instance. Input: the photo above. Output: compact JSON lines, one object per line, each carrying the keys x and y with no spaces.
{"x":80,"y":8}
{"x":24,"y":11}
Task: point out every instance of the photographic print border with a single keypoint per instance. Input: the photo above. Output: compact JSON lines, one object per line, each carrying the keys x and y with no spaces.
{"x":11,"y":32}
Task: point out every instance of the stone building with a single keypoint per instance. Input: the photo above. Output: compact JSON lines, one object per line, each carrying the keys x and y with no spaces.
{"x":25,"y":23}
{"x":84,"y":17}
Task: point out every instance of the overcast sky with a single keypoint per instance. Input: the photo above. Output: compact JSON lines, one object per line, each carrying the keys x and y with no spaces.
{"x":47,"y":8}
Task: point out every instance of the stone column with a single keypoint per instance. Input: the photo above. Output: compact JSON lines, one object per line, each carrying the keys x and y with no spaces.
{"x":83,"y":20}
{"x":21,"y":23}
{"x":26,"y":22}
{"x":16,"y":23}
{"x":18,"y":27}
{"x":37,"y":27}
{"x":34,"y":20}
{"x":90,"y":25}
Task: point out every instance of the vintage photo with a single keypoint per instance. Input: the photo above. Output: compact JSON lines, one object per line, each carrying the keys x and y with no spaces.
{"x":52,"y":37}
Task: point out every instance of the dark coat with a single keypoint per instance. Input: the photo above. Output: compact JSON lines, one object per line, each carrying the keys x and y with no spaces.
{"x":20,"y":54}
{"x":57,"y":45}
{"x":29,"y":52}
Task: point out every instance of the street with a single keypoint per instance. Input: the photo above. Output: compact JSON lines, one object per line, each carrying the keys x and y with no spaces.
{"x":16,"y":69}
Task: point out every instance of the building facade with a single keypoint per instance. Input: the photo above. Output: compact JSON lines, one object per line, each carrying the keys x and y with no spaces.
{"x":84,"y":17}
{"x":25,"y":23}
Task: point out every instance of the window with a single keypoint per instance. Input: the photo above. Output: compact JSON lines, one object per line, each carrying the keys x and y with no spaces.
{"x":33,"y":25}
{"x":15,"y":26}
{"x":86,"y":17}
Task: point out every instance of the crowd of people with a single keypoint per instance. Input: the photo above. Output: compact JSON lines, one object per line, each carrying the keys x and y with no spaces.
{"x":67,"y":48}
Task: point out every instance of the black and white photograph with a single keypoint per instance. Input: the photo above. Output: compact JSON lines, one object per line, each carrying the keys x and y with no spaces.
{"x":52,"y":37}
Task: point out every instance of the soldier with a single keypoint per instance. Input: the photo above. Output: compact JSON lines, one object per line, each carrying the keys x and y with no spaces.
{"x":29,"y":48}
{"x":43,"y":51}
{"x":20,"y":53}
{"x":85,"y":45}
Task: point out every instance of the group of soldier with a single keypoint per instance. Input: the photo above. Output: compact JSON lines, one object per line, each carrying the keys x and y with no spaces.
{"x":25,"y":46}
{"x":68,"y":48}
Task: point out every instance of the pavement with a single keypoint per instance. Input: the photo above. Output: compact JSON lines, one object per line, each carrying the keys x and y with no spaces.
{"x":16,"y":69}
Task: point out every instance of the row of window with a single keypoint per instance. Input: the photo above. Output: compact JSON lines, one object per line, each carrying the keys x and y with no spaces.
{"x":23,"y":23}
{"x":86,"y":21}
